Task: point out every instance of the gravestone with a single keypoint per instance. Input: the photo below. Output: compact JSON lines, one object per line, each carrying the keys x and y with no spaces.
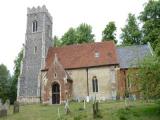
{"x":16,"y":107}
{"x":3,"y":110}
{"x":6,"y":105}
{"x":66,"y":108}
{"x":78,"y":99}
{"x":87,"y":99}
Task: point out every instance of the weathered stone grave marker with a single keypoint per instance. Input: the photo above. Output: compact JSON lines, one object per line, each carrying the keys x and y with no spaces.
{"x":87,"y":99}
{"x":16,"y":107}
{"x":7,"y":105}
{"x":3,"y":109}
{"x":3,"y":112}
{"x":66,"y":108}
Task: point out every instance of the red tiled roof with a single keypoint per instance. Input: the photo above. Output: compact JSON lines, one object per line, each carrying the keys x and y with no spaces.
{"x":83,"y":55}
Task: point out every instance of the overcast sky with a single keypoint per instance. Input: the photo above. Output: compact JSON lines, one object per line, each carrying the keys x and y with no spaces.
{"x":65,"y":13}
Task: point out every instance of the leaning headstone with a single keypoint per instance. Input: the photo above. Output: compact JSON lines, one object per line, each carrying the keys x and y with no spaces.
{"x":16,"y":107}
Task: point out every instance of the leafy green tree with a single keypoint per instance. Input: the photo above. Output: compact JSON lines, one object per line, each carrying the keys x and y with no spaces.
{"x":84,"y":34}
{"x":81,"y":34}
{"x":131,"y":35}
{"x":146,"y":79}
{"x":109,"y":32}
{"x":17,"y":66}
{"x":149,"y":78}
{"x":150,"y":17}
{"x":69,"y":37}
{"x":5,"y":81}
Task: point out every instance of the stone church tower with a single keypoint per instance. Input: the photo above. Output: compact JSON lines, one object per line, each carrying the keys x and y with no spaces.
{"x":38,"y":40}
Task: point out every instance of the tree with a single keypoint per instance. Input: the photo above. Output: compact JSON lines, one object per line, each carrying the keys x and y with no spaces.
{"x":81,"y":34}
{"x":146,"y":79}
{"x":131,"y":35}
{"x":4,"y":82}
{"x":84,"y":33}
{"x":17,"y":66}
{"x":149,"y":78}
{"x":150,"y":17}
{"x":69,"y":37}
{"x":109,"y":32}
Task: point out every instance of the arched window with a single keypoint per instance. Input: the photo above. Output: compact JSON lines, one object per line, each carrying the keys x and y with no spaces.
{"x":34,"y":26}
{"x":95,"y":84}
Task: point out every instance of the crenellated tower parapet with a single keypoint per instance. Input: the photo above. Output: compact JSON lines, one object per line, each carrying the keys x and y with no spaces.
{"x":39,"y":9}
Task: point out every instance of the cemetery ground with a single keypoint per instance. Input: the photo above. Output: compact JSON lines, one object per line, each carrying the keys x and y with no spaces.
{"x":111,"y":110}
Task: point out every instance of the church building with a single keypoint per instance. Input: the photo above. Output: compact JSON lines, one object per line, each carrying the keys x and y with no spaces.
{"x":75,"y":72}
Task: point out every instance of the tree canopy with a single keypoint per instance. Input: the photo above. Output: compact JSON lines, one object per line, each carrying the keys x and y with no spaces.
{"x":131,"y":34}
{"x":109,"y":32}
{"x":70,"y":37}
{"x":150,"y":17}
{"x":84,"y":33}
{"x":5,"y":81}
{"x":81,"y":34}
{"x":149,"y":78}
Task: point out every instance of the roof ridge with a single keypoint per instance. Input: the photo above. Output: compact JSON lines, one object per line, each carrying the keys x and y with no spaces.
{"x":83,"y":44}
{"x":131,"y":46}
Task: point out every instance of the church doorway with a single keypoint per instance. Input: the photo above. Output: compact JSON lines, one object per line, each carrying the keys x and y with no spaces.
{"x":55,"y":93}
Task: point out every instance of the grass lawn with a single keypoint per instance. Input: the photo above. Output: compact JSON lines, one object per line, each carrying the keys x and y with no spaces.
{"x":108,"y":111}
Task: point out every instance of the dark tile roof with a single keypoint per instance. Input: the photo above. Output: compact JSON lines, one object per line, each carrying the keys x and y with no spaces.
{"x":130,"y":56}
{"x":83,"y":55}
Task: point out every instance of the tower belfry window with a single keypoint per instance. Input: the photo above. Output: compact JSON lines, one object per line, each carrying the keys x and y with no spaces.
{"x":34,"y":26}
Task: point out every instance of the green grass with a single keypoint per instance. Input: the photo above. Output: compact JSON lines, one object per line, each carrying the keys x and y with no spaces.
{"x":108,"y":111}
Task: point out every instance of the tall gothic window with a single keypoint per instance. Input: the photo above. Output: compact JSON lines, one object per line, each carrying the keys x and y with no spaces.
{"x":34,"y":26}
{"x":95,"y":84}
